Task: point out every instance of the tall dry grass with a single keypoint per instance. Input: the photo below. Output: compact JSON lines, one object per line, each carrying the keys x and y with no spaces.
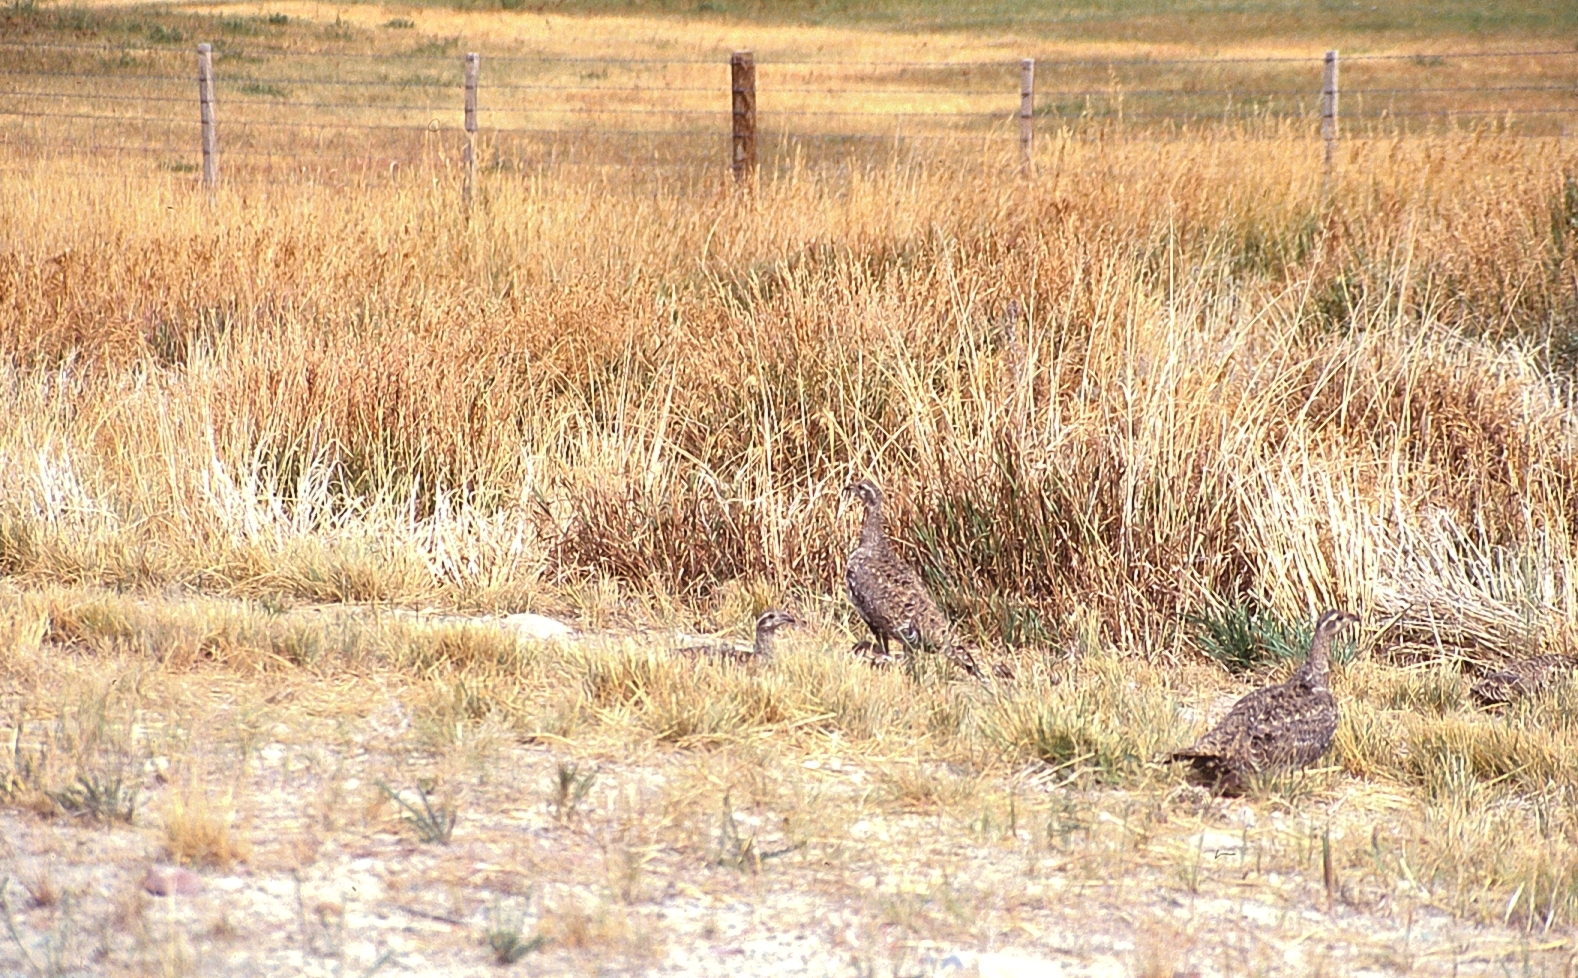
{"x":1231,"y":382}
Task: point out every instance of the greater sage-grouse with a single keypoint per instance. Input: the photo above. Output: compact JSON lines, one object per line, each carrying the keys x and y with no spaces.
{"x":890,"y":597}
{"x":1518,"y":678}
{"x":761,"y":651}
{"x":1279,"y":727}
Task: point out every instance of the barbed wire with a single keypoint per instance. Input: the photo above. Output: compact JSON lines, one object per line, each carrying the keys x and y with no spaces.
{"x":171,"y":120}
{"x":603,"y":132}
{"x":96,"y":75}
{"x":242,"y":82}
{"x":722,"y":58}
{"x":771,"y":96}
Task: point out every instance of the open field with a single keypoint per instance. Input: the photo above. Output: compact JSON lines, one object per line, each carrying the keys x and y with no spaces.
{"x":277,"y":460}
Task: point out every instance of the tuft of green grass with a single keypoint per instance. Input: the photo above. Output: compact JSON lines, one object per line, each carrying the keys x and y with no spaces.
{"x":1244,"y":637}
{"x":569,"y":789}
{"x":265,"y":89}
{"x":433,"y":824}
{"x":99,"y":794}
{"x":507,"y":934}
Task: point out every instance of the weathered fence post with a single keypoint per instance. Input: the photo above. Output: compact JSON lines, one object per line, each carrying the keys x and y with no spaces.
{"x":1027,"y":107}
{"x":205,"y":108}
{"x":1328,"y":108}
{"x":742,"y":75}
{"x":468,"y":154}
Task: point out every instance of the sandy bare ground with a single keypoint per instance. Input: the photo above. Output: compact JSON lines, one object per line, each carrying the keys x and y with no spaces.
{"x":752,"y":857}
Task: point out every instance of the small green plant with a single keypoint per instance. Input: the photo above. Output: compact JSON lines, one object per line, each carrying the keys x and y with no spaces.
{"x":260,"y":88}
{"x":400,"y":24}
{"x":1243,"y":637}
{"x":100,"y":795}
{"x":737,"y":851}
{"x":506,"y":935}
{"x":432,"y":824}
{"x":244,"y":26}
{"x":569,"y":788}
{"x":277,"y":20}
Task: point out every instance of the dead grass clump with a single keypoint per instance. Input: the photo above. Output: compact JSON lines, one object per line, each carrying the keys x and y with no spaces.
{"x":1437,"y":687}
{"x":188,"y":631}
{"x":42,"y":891}
{"x":441,"y":648}
{"x":924,"y":788}
{"x":200,"y":830}
{"x":839,"y":694}
{"x":1441,"y":752}
{"x":1368,"y":740}
{"x":684,"y":701}
{"x":349,"y":572}
{"x":1115,"y":720}
{"x":1487,"y":854}
{"x":570,"y":925}
{"x":24,"y":622}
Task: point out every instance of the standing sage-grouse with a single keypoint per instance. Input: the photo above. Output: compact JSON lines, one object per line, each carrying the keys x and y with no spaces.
{"x":762,"y":651}
{"x":890,"y":597}
{"x":1279,"y":727}
{"x":1518,"y":678}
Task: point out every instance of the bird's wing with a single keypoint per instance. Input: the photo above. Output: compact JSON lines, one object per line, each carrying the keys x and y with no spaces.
{"x":1231,"y":735}
{"x":1298,"y":728}
{"x":863,"y":592}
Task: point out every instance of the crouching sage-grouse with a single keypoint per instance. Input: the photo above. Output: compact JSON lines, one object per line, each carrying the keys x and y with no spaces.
{"x":890,"y":597}
{"x":1280,"y":727}
{"x":761,"y":651}
{"x":1518,"y":678}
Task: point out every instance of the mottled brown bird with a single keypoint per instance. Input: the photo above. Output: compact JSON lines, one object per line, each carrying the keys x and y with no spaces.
{"x":1518,"y":678}
{"x":1284,"y":726}
{"x":761,"y":651}
{"x":890,"y":597}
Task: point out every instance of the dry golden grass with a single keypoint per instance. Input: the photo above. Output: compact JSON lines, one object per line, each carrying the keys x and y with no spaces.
{"x":243,"y":431}
{"x":1227,"y":384}
{"x":199,"y":830}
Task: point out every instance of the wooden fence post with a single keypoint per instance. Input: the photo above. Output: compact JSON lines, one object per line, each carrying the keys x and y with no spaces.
{"x":205,"y":108}
{"x":1328,"y":108}
{"x":1027,"y":107}
{"x":469,"y":152}
{"x":742,"y":75}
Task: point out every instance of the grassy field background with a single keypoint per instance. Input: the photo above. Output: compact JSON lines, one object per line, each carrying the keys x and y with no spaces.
{"x":263,"y":446}
{"x":1206,"y":24}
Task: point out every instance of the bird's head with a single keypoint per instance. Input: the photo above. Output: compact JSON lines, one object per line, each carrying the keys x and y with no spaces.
{"x":1331,"y":623}
{"x":866,"y":491}
{"x":774,"y":619}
